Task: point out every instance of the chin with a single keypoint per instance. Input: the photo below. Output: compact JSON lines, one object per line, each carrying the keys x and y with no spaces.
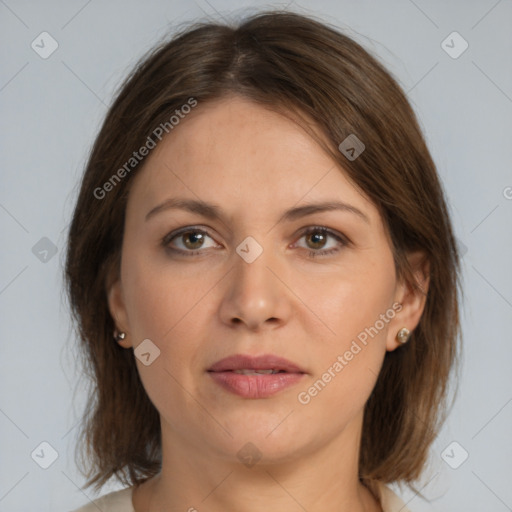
{"x":268,"y":436}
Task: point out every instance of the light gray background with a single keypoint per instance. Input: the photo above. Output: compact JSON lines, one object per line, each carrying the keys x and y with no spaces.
{"x":51,"y":111}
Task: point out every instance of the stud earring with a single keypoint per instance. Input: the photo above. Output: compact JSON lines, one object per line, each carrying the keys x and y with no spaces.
{"x":402,"y":335}
{"x":119,"y":336}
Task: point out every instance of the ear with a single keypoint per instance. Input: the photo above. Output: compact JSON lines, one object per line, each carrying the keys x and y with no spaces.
{"x":116,"y":305}
{"x":412,"y":297}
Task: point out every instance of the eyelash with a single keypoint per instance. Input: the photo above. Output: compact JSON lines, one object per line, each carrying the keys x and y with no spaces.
{"x":312,"y":229}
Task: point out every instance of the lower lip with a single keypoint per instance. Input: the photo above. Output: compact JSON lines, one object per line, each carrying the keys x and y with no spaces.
{"x":257,"y":385}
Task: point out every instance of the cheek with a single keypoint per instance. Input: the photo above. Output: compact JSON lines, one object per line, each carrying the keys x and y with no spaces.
{"x":159,"y":297}
{"x":352,"y":299}
{"x":163,"y":307}
{"x":169,"y":305}
{"x":357,"y":306}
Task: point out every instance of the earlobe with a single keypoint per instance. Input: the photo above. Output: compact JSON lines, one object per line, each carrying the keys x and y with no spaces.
{"x":118,"y":312}
{"x":412,"y":296}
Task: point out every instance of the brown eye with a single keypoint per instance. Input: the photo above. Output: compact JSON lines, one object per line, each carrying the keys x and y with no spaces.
{"x":189,"y":241}
{"x":321,"y":241}
{"x":317,"y":240}
{"x":192,"y":239}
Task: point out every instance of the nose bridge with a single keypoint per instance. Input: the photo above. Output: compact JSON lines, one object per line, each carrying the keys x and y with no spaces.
{"x":252,"y":278}
{"x":254,"y":294}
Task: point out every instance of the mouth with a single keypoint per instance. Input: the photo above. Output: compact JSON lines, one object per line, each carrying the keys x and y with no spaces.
{"x":255,"y":377}
{"x":247,"y":365}
{"x":257,"y":372}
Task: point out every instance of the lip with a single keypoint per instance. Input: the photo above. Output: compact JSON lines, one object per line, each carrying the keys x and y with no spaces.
{"x":258,"y":385}
{"x":247,"y":362}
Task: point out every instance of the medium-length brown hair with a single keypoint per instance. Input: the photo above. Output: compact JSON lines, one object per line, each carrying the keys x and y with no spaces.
{"x":302,"y":66}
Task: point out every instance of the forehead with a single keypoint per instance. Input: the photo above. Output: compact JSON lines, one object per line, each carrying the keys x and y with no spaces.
{"x":235,"y":150}
{"x":237,"y":134}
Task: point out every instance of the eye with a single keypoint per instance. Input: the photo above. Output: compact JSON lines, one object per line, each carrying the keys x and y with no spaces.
{"x":317,"y":241}
{"x":191,"y":241}
{"x":187,"y":241}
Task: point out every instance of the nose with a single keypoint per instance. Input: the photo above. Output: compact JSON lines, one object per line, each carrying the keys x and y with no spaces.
{"x":255,"y":296}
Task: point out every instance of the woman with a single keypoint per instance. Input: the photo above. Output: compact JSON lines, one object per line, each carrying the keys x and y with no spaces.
{"x":264,"y":276}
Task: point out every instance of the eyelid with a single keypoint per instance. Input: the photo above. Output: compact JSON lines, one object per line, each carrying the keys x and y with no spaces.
{"x":186,"y":229}
{"x":324,"y":229}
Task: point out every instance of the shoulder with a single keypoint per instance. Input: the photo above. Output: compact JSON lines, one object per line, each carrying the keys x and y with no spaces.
{"x":389,"y":501}
{"x":121,"y":501}
{"x":118,"y":501}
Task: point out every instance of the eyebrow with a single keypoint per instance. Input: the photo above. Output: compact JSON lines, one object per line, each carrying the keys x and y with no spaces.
{"x":214,"y":212}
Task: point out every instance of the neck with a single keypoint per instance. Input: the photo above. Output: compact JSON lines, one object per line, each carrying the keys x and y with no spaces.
{"x":194,"y":478}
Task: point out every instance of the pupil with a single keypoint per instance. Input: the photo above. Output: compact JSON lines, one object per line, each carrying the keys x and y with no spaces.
{"x":318,"y":238}
{"x":194,"y":238}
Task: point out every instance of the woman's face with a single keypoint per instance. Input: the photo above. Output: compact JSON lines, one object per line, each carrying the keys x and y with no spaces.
{"x":257,"y":278}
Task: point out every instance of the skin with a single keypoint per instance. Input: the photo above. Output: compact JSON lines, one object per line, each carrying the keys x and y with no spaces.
{"x":254,"y":164}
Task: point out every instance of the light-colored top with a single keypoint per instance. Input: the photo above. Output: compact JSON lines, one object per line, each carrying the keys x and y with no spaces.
{"x":121,"y":501}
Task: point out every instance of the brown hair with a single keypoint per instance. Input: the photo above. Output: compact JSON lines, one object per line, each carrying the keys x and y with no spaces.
{"x":292,"y":64}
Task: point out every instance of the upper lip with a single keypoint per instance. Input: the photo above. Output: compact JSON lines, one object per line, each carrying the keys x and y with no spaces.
{"x":247,"y":362}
